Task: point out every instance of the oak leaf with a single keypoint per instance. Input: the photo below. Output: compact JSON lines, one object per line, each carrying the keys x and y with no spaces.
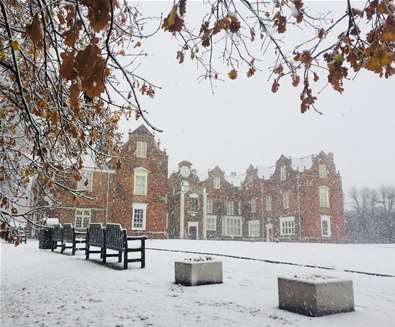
{"x":233,"y":74}
{"x":35,"y":32}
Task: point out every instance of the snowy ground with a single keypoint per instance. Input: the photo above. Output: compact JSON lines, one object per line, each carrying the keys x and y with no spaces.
{"x":40,"y":288}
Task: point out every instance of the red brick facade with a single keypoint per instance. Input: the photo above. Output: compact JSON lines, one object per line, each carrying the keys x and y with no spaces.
{"x":135,"y":195}
{"x":297,"y":199}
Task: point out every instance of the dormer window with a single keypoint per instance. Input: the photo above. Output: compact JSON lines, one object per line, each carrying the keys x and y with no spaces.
{"x":322,"y":171}
{"x":86,"y":181}
{"x":141,"y":149}
{"x":286,"y":200}
{"x":283,"y":173}
{"x":250,"y":179}
{"x":217,"y":183}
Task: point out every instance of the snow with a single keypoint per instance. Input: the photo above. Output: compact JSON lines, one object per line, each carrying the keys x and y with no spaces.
{"x":41,"y":288}
{"x":300,"y":164}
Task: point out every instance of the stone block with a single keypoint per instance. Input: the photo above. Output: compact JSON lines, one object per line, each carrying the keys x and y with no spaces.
{"x":315,"y":295}
{"x":198,"y":272}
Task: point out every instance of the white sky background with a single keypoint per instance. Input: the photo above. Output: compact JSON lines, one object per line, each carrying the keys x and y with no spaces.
{"x":244,"y":122}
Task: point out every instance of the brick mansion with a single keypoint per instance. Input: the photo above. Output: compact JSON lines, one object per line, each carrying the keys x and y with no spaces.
{"x":296,"y":199}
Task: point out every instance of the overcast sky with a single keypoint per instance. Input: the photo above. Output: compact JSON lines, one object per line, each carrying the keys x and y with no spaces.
{"x":244,"y":122}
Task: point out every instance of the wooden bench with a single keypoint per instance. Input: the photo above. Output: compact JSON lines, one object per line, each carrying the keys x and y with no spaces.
{"x":116,"y":238}
{"x":113,"y":237}
{"x":73,"y":237}
{"x":95,"y":238}
{"x":57,"y":237}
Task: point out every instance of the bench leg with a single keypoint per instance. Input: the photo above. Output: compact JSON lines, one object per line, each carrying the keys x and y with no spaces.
{"x":63,"y":248}
{"x":73,"y":249}
{"x":120,"y":256}
{"x":143,"y":253}
{"x":53,"y":246}
{"x":104,"y":254}
{"x":87,"y":252}
{"x":125,"y":259}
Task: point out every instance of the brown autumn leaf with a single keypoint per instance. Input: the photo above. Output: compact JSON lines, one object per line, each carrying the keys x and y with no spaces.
{"x":173,"y":22}
{"x":281,"y":23}
{"x":295,"y":80}
{"x":99,"y":14}
{"x":232,"y":74}
{"x":275,"y":86}
{"x":182,"y":7}
{"x":250,"y":72}
{"x":35,"y":33}
{"x":75,"y":90}
{"x":66,"y":70}
{"x":72,"y":35}
{"x":92,"y":70}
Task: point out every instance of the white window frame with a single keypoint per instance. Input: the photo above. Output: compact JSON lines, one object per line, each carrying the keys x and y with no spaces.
{"x":253,"y":205}
{"x":287,"y":226}
{"x":286,"y":200}
{"x":254,"y":228}
{"x":322,"y":171}
{"x":86,"y":175}
{"x":143,"y":207}
{"x":326,"y":219}
{"x":324,"y":196}
{"x":217,"y":183}
{"x":230,"y":208}
{"x":141,"y":149}
{"x":268,"y":202}
{"x":141,"y":172}
{"x":210,"y":206}
{"x":283,"y":173}
{"x":85,"y":214}
{"x":211,"y":223}
{"x":230,"y":228}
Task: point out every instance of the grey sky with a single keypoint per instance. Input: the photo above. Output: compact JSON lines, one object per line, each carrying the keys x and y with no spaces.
{"x":243,"y":122}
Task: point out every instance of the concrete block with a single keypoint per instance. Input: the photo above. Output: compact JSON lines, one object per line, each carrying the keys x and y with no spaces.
{"x":198,"y":272}
{"x":315,"y":295}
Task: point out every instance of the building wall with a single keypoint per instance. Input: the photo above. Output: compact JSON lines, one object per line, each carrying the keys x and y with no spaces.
{"x":302,"y":182}
{"x":113,"y":189}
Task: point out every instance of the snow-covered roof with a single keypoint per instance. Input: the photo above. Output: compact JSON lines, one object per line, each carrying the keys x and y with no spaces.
{"x":235,"y":178}
{"x":300,"y":164}
{"x":266,"y":172}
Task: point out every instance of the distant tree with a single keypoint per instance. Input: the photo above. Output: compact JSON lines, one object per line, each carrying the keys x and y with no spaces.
{"x":68,"y":70}
{"x":372,"y":216}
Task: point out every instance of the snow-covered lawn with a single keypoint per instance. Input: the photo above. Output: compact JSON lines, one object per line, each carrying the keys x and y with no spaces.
{"x":40,"y":288}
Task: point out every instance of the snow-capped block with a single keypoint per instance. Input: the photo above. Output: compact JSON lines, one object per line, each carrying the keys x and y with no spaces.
{"x":315,"y":295}
{"x":198,"y":271}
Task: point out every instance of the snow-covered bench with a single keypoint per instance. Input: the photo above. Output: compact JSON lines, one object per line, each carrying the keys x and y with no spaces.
{"x":116,"y":239}
{"x":113,"y":237}
{"x":57,"y":237}
{"x":73,"y":237}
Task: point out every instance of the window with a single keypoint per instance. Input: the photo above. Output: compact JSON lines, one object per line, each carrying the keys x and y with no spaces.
{"x":287,"y":226}
{"x":232,"y":226}
{"x":250,"y":179}
{"x":82,"y":218}
{"x":286,"y":200}
{"x":268,"y":202}
{"x":139,"y":216}
{"x":324,"y":196}
{"x":140,"y":181}
{"x":211,"y":223}
{"x":193,"y":204}
{"x":230,"y":208}
{"x":237,"y":208}
{"x":253,"y":205}
{"x":283,"y":173}
{"x":86,"y":181}
{"x":322,"y":171}
{"x":209,"y":206}
{"x":217,"y":183}
{"x":253,"y":228}
{"x":325,"y":226}
{"x":141,"y":149}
